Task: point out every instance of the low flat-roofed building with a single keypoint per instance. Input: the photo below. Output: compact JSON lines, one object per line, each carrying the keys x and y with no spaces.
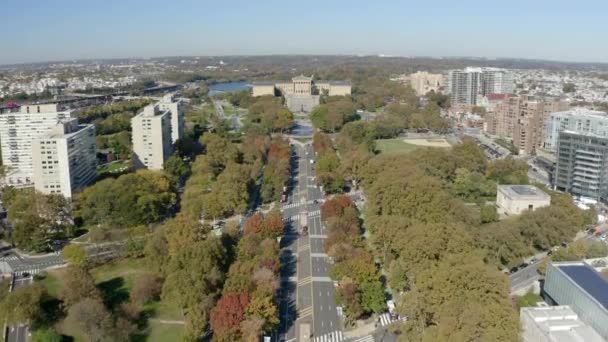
{"x":555,"y":324}
{"x":515,"y":199}
{"x":581,"y":287}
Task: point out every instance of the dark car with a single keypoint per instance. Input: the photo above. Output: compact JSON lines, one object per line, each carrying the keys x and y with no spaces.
{"x":524,"y":265}
{"x":513,"y":270}
{"x":305,"y":230}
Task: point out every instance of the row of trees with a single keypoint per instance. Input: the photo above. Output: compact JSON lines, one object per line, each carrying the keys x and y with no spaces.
{"x":276,"y":172}
{"x":327,"y":167}
{"x":248,"y":305}
{"x":221,"y":180}
{"x":360,"y":289}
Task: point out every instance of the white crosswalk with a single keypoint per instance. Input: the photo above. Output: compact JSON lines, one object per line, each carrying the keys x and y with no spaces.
{"x":385,"y":319}
{"x":314,"y":213}
{"x":10,"y":257}
{"x":334,"y":336}
{"x":368,"y":338}
{"x":291,"y":205}
{"x":296,"y":217}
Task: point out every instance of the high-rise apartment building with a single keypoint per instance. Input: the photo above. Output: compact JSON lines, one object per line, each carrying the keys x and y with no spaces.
{"x":423,"y":82}
{"x":176,"y":108}
{"x":582,"y":165}
{"x":64,"y":159}
{"x":522,"y":118}
{"x":468,"y":85}
{"x":17,"y":131}
{"x":579,"y":120}
{"x":152,"y":138}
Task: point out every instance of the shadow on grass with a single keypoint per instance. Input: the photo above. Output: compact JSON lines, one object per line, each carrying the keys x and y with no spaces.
{"x":113,"y":292}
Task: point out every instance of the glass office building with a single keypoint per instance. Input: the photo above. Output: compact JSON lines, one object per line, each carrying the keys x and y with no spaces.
{"x":582,"y":288}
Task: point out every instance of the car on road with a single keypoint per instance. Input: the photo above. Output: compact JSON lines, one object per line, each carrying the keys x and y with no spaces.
{"x":513,"y":270}
{"x":524,"y":265}
{"x":305,"y":230}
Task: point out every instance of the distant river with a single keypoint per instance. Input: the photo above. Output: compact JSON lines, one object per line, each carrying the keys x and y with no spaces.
{"x":227,"y":87}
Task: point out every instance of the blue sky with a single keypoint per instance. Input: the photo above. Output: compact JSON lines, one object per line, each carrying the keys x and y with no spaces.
{"x":47,"y":30}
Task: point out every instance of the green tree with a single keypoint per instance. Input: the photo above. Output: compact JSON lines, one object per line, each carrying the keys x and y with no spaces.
{"x":176,"y":168}
{"x":36,"y":218}
{"x":488,"y":214}
{"x":569,"y":88}
{"x":75,"y":255}
{"x":23,"y":305}
{"x":129,"y":200}
{"x":46,"y":335}
{"x":444,"y":306}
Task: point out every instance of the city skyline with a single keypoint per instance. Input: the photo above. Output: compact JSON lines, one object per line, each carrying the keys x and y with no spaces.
{"x":136,"y":29}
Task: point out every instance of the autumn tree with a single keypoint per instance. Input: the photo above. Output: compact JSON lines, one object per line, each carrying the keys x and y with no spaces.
{"x":92,"y":318}
{"x":78,"y":285}
{"x":147,"y":287}
{"x":228,"y":314}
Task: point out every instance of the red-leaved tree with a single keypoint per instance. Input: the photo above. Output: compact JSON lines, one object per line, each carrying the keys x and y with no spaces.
{"x":228,"y":313}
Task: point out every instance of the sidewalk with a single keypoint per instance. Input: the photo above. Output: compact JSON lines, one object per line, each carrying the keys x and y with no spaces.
{"x":362,"y":329}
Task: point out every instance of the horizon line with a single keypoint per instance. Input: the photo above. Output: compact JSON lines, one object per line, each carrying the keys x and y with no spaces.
{"x":360,"y":55}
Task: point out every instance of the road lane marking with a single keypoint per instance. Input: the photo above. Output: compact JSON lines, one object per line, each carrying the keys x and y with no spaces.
{"x":305,"y":312}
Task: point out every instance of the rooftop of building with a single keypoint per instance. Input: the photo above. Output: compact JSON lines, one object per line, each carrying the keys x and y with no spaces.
{"x":302,"y":78}
{"x":65,"y":129}
{"x":561,"y":324}
{"x":587,"y":279}
{"x":264,"y":83}
{"x":523,"y":192}
{"x":480,"y":69}
{"x":152,"y":110}
{"x":496,"y":97}
{"x":582,"y":112}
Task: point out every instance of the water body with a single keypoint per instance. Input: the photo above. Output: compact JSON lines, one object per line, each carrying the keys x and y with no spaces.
{"x":227,"y":87}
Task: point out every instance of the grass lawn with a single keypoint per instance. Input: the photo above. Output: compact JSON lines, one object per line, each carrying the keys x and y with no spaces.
{"x":52,"y":281}
{"x":114,"y":167}
{"x":391,"y":146}
{"x":159,"y":332}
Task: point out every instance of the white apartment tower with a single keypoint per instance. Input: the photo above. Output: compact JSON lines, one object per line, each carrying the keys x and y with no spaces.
{"x":17,"y":131}
{"x":467,"y":86}
{"x":152,"y":138}
{"x":64,"y":159}
{"x":578,"y":120}
{"x":176,"y":108}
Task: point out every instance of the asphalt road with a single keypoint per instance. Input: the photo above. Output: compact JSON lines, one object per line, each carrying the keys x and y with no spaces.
{"x":307,"y":291}
{"x":524,"y":277}
{"x":19,"y":333}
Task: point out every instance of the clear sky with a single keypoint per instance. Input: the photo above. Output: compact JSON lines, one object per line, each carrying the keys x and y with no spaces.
{"x":48,"y":30}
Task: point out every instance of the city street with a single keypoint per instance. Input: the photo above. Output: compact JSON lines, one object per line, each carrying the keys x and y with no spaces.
{"x":308,"y":292}
{"x":19,"y":333}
